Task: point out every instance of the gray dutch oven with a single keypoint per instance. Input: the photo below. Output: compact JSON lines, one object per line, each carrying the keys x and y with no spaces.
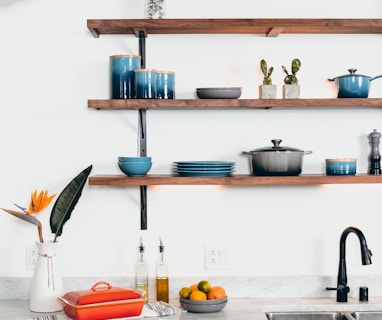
{"x":353,"y":85}
{"x":276,"y":160}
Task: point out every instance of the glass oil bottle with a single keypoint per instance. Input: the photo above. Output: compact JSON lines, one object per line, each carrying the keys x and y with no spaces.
{"x":162,"y":282}
{"x":141,"y":271}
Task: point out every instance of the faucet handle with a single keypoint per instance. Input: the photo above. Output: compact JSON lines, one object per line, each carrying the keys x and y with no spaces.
{"x":342,"y":292}
{"x":341,"y":287}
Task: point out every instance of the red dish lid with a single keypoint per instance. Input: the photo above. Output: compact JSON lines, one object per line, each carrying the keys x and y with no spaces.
{"x":101,"y":292}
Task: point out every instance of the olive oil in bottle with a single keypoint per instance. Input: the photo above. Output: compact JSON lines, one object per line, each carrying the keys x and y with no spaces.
{"x":162,"y":283}
{"x":141,"y":271}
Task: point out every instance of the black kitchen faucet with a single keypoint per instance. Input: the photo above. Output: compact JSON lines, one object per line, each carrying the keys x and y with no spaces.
{"x":342,"y":287}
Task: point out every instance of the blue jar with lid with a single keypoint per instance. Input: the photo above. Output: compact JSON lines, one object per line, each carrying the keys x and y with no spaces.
{"x":145,"y":84}
{"x":166,"y":85}
{"x":122,"y":77}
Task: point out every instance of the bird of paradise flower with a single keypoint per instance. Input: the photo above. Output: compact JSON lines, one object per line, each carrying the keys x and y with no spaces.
{"x":61,"y":210}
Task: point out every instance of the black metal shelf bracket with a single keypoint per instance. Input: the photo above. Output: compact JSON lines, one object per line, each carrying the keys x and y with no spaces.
{"x":142,"y":134}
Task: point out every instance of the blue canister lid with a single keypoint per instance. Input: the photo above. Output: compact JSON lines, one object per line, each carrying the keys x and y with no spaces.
{"x":146,"y":70}
{"x":125,"y":56}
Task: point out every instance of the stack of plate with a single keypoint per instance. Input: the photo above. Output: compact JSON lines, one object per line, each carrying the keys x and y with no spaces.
{"x":204,"y":168}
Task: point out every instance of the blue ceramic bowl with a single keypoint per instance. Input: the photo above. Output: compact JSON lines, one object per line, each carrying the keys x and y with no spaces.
{"x":135,"y":169}
{"x":339,"y":167}
{"x":134,"y":159}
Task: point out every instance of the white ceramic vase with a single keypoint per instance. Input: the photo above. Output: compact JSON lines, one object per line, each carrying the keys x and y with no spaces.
{"x":47,"y":284}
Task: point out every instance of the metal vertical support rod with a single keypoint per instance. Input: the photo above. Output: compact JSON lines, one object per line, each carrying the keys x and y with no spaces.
{"x":142,"y":135}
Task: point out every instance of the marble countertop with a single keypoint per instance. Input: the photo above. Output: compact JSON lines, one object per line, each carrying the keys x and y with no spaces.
{"x":237,"y":309}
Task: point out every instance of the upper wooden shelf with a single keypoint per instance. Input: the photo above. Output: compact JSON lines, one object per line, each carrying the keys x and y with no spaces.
{"x":234,"y":180}
{"x":267,"y":27}
{"x":135,"y":104}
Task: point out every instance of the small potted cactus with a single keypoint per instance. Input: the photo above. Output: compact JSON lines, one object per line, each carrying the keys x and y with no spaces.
{"x":291,"y":88}
{"x":267,"y":90}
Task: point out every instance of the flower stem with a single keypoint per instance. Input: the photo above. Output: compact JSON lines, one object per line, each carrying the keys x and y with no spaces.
{"x":39,"y":228}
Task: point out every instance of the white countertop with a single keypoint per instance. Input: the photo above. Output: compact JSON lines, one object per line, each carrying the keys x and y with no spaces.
{"x":237,"y":309}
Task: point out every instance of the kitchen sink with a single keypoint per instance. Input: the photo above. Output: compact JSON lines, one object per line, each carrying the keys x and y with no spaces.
{"x":367,"y":315}
{"x":310,"y":315}
{"x":325,"y":315}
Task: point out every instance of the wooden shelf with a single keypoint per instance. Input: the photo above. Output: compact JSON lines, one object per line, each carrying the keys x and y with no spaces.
{"x":141,"y":28}
{"x":235,"y":180}
{"x":267,"y":27}
{"x":135,"y":104}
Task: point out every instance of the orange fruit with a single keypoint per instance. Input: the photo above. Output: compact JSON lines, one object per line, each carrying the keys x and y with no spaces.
{"x":204,"y":286}
{"x":194,"y":287}
{"x":198,"y":295}
{"x":216,"y":292}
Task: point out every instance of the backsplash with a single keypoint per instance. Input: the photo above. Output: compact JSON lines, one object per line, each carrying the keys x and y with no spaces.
{"x":236,"y":287}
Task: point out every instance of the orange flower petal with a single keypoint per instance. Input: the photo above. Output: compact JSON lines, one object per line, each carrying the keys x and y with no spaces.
{"x":39,"y":201}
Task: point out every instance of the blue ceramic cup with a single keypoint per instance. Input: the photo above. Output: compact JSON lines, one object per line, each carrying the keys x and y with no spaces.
{"x":166,"y":85}
{"x":122,"y":76}
{"x":145,"y":84}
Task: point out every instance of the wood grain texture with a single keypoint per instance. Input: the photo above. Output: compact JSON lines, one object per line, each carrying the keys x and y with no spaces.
{"x":271,"y":27}
{"x":234,"y":180}
{"x":135,"y":104}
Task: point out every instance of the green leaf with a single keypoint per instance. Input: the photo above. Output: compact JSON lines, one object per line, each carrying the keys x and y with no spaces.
{"x":296,"y":65}
{"x":66,"y":202}
{"x":285,"y":70}
{"x":264,"y":67}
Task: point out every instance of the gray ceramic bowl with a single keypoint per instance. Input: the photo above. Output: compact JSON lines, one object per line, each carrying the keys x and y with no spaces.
{"x":203,"y":306}
{"x":219,"y":93}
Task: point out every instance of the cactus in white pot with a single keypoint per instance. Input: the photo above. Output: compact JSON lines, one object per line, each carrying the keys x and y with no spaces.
{"x":291,"y":88}
{"x":267,"y":90}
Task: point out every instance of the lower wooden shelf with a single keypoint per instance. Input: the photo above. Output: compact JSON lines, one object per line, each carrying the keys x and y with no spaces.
{"x":234,"y":180}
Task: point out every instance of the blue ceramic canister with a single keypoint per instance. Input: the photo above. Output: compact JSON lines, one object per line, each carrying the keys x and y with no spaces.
{"x":145,"y":83}
{"x":122,"y":77}
{"x":166,"y":85}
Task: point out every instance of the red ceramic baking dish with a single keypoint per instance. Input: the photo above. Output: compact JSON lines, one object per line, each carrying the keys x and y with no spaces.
{"x":102,"y":301}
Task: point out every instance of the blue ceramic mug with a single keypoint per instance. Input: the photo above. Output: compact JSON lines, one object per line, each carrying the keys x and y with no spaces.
{"x":122,"y":76}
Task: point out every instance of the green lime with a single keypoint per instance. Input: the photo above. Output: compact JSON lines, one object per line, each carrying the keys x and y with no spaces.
{"x":184,"y":293}
{"x":204,"y":286}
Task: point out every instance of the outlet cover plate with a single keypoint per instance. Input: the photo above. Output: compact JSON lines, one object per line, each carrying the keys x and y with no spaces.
{"x":215,"y":257}
{"x":31,"y":256}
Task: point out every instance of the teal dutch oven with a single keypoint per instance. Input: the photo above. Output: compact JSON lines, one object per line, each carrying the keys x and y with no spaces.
{"x":353,"y":85}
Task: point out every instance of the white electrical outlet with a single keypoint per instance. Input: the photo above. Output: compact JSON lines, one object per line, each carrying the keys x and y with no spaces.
{"x":31,"y":256}
{"x":215,"y":258}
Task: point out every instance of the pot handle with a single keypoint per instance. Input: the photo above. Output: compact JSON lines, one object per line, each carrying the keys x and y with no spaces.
{"x":376,"y":77}
{"x":334,"y":79}
{"x":308,"y":152}
{"x":246,"y":153}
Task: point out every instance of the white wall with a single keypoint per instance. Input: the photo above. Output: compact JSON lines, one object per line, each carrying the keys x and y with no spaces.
{"x":50,"y":65}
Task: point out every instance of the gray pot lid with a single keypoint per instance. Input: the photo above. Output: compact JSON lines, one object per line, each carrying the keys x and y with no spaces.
{"x":276,"y":148}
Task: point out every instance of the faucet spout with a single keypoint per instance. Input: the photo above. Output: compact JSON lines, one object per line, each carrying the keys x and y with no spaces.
{"x":342,"y":287}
